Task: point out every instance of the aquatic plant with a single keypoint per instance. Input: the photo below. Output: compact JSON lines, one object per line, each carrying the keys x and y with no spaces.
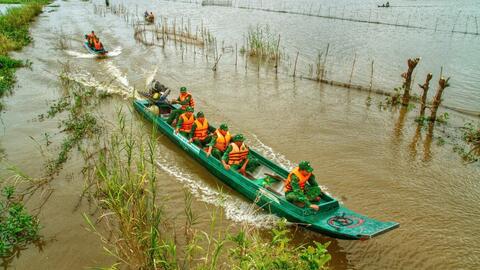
{"x":17,"y":227}
{"x":262,"y":43}
{"x":471,"y":136}
{"x":80,"y":123}
{"x":7,"y":73}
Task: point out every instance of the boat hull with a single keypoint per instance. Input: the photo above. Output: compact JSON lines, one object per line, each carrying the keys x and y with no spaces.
{"x":332,"y":220}
{"x":92,"y":51}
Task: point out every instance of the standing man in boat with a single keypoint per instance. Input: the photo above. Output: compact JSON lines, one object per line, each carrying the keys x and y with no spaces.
{"x":237,"y":156}
{"x":219,"y":142}
{"x":185,"y":99}
{"x":199,"y":134}
{"x":301,"y":187}
{"x":185,"y":122}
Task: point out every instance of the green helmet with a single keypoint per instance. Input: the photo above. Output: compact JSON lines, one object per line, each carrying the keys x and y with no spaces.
{"x":305,"y":166}
{"x":224,"y":127}
{"x":189,"y":109}
{"x":183,"y":89}
{"x":200,"y":114}
{"x":238,"y":138}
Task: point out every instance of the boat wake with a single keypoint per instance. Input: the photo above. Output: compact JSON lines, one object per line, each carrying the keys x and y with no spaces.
{"x":235,"y":209}
{"x":125,"y":89}
{"x":271,"y":154}
{"x":115,"y":52}
{"x":80,"y":54}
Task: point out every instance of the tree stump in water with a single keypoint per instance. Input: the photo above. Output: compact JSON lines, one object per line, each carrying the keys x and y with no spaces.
{"x":425,"y":87}
{"x":442,"y":84}
{"x":407,"y":85}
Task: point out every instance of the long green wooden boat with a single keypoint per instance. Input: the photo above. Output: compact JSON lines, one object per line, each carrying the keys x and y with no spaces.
{"x":333,"y":219}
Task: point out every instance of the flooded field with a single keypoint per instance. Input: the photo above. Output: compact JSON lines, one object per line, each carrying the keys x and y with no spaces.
{"x":373,"y":160}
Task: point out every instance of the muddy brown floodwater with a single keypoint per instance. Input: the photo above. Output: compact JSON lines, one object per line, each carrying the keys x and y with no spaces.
{"x":361,"y":154}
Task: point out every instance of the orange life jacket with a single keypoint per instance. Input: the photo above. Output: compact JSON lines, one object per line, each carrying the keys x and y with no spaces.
{"x":222,"y":141}
{"x":237,"y":155}
{"x":187,"y":123}
{"x":302,"y":180}
{"x":201,"y":131}
{"x":182,"y":97}
{"x":98,"y":45}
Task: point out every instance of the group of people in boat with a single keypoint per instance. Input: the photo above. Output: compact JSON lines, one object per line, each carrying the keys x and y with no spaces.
{"x":149,"y":16}
{"x":94,"y":42}
{"x":385,"y":5}
{"x":300,"y":186}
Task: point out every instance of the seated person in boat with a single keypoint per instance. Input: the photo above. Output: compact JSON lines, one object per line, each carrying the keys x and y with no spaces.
{"x":237,"y":156}
{"x":145,"y":14}
{"x":185,"y":122}
{"x":301,"y":187}
{"x":98,"y":45}
{"x":185,"y":99}
{"x":199,"y":134}
{"x":90,"y":38}
{"x":219,"y":141}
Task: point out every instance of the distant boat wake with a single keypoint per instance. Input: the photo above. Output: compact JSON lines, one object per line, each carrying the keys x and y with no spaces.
{"x":115,"y":52}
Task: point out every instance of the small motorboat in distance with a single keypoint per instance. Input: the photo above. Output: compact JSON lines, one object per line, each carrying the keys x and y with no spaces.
{"x":89,"y":45}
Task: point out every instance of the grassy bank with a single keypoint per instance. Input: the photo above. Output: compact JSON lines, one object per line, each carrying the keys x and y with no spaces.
{"x":14,"y":35}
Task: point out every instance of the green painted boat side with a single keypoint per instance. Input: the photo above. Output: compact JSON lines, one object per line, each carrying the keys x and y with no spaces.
{"x":92,"y":51}
{"x":333,"y":219}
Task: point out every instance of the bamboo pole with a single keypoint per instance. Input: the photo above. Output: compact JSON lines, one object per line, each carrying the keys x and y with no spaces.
{"x":295,"y":66}
{"x":277,"y":55}
{"x":353,"y":68}
{"x":371,"y":76}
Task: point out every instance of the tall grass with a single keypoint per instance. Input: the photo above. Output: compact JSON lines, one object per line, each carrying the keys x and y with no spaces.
{"x":262,"y":43}
{"x":14,"y":35}
{"x":141,"y":234}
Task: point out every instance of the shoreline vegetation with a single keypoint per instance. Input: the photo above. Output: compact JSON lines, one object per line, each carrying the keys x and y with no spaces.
{"x":14,"y":35}
{"x":18,"y":227}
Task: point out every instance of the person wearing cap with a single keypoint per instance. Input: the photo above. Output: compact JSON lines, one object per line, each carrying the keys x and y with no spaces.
{"x":185,"y":122}
{"x":199,"y":134}
{"x":185,"y":99}
{"x":237,"y":157}
{"x":301,"y":188}
{"x":219,"y":141}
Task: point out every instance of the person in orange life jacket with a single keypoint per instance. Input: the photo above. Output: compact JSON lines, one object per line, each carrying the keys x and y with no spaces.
{"x":199,"y":134}
{"x":185,"y":122}
{"x":97,"y":44}
{"x":237,"y":156}
{"x":185,"y":99}
{"x":90,"y":38}
{"x":301,"y":188}
{"x":219,"y":142}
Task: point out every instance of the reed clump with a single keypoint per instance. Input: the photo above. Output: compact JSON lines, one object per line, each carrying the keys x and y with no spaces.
{"x":142,"y":234}
{"x":18,"y":227}
{"x":262,"y":43}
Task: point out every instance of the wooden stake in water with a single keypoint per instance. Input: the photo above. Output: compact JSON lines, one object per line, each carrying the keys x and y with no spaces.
{"x":407,"y":85}
{"x":423,"y":102}
{"x":371,"y":76}
{"x":442,"y":84}
{"x":295,"y":66}
{"x":476,"y":23}
{"x":277,"y":56}
{"x":236,"y":55}
{"x":353,"y":68}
